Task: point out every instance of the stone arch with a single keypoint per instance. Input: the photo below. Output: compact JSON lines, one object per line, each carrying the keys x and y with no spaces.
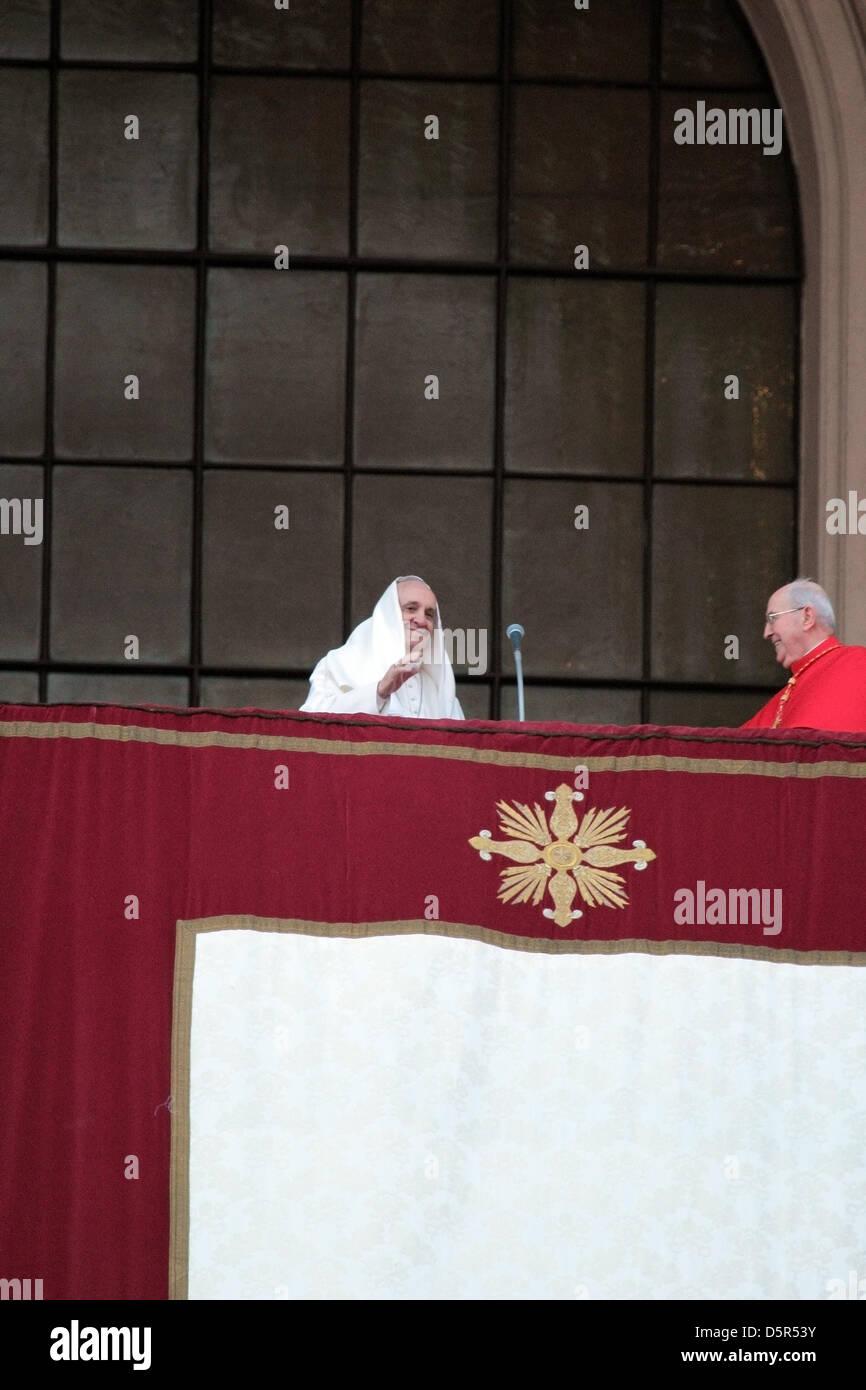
{"x":816,"y":56}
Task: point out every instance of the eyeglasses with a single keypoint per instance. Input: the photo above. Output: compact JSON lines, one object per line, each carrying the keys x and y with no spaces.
{"x":771,"y":617}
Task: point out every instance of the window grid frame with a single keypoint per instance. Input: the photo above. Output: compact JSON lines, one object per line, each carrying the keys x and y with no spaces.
{"x":202,"y":259}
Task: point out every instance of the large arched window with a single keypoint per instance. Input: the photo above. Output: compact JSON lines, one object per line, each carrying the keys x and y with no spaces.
{"x":599,"y":443}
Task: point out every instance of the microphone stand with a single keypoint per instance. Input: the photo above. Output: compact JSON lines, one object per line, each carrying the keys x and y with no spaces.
{"x":518,"y":665}
{"x":515,"y":632}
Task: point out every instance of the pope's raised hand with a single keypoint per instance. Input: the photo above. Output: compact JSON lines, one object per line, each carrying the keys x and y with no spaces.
{"x":402,"y":670}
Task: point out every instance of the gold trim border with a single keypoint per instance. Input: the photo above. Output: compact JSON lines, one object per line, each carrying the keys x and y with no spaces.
{"x":217,"y":738}
{"x":181,"y":1033}
{"x":187,"y":933}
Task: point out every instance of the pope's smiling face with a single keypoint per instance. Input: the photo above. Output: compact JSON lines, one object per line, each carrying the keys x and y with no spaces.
{"x":418,"y":607}
{"x":789,"y":633}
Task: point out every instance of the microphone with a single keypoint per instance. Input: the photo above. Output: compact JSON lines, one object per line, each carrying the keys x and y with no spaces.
{"x":515,"y":633}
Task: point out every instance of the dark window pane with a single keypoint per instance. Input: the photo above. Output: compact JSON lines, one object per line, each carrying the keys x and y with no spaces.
{"x":271,"y":597}
{"x":474,"y":697}
{"x":580,"y":176}
{"x":421,"y":197}
{"x":723,"y":207}
{"x":575,"y":377}
{"x":705,"y":334}
{"x":19,"y":687}
{"x":564,"y":704}
{"x":74,"y":688}
{"x":120,"y":321}
{"x":121,"y":563}
{"x":733,"y":548}
{"x":439,"y":528}
{"x":412,"y":327}
{"x":20,"y":560}
{"x":310,"y":34}
{"x":576,"y":592}
{"x":279,"y":165}
{"x":119,"y":192}
{"x":24,"y":165}
{"x":25,"y":29}
{"x":22,"y":357}
{"x":708,"y":41}
{"x":449,"y":36}
{"x":606,"y":42}
{"x":276,"y":344}
{"x":139,"y":30}
{"x":703,"y":709}
{"x":251,"y":692}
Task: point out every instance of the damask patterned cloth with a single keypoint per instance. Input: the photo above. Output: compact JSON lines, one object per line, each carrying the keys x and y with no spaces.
{"x":434,"y":1117}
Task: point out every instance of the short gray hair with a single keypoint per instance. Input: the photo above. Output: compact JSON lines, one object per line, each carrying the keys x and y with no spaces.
{"x":805,"y":591}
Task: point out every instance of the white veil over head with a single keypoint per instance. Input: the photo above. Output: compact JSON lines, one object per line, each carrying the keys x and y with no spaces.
{"x":380,"y":640}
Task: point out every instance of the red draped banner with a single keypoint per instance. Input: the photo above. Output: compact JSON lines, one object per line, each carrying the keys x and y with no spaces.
{"x":116,"y":824}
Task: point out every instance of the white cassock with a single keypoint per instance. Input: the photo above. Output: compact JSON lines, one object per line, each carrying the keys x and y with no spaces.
{"x":345,"y":681}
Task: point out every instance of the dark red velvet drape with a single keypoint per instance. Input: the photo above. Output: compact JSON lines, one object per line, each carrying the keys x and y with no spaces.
{"x":116,"y":823}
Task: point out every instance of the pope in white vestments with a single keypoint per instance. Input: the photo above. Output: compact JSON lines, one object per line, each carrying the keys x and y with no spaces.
{"x":394,"y":662}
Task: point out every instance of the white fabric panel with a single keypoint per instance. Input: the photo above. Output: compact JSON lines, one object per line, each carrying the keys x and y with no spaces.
{"x":419,"y":1117}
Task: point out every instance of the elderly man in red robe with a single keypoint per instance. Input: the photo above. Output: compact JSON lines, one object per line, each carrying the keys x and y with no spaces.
{"x":827,"y":685}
